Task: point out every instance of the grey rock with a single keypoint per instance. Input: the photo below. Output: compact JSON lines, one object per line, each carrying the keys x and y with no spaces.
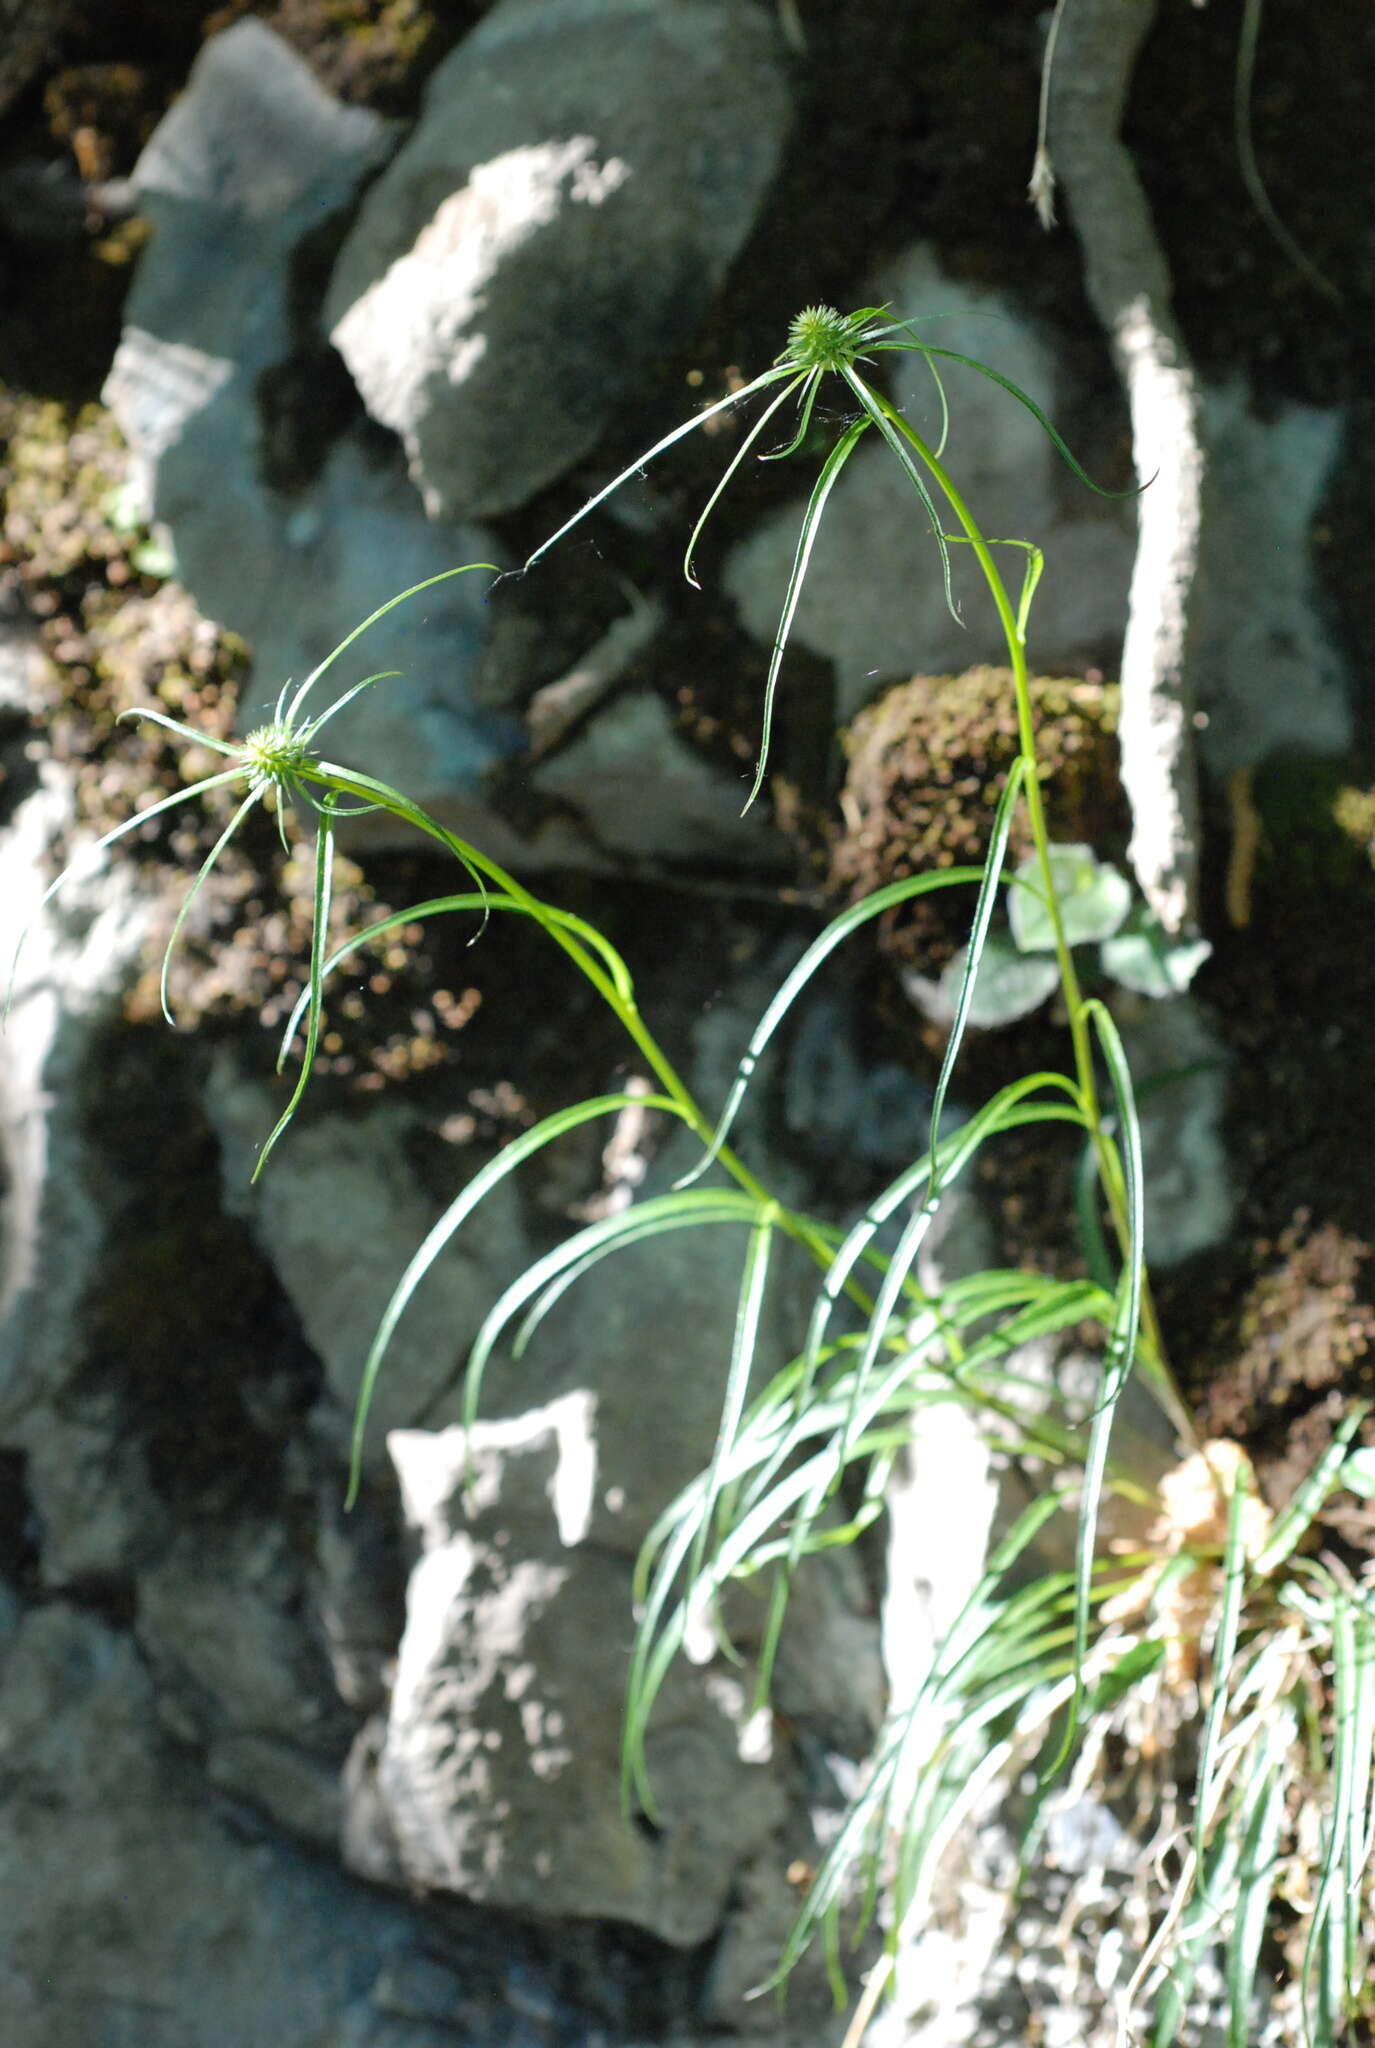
{"x":340,"y":1213}
{"x":219,"y":1621}
{"x":131,"y":1916}
{"x":881,"y":1114}
{"x":300,"y":1791}
{"x":1269,"y":676}
{"x":670,"y":1299}
{"x":873,"y":600}
{"x":251,"y":155}
{"x":1179,"y":1068}
{"x":498,"y":1769}
{"x":648,"y":795}
{"x":581,"y":176}
{"x":250,"y":158}
{"x":97,"y":1513}
{"x":94,"y":1511}
{"x":78,"y":951}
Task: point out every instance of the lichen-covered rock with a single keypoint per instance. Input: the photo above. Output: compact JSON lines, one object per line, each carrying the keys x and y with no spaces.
{"x":579,"y":180}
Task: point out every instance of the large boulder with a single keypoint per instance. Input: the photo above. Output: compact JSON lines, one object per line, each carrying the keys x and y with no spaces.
{"x":580,"y":179}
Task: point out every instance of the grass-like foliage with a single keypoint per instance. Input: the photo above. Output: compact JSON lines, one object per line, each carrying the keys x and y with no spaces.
{"x":805,"y":1446}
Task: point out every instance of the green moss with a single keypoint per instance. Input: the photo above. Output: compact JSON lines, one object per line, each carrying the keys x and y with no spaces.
{"x":926,"y":766}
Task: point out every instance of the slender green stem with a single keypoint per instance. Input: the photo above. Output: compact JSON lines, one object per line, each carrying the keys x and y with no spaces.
{"x":348,"y":782}
{"x":1105,"y":1153}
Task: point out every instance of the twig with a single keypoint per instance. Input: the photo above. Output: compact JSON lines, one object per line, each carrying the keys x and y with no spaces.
{"x":1129,"y":286}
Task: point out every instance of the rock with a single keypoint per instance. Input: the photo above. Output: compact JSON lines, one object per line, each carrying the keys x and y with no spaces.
{"x":648,"y":795}
{"x":881,"y":1115}
{"x":580,"y":179}
{"x":1269,"y":677}
{"x":77,"y":952}
{"x":87,"y":1480}
{"x":299,"y":1790}
{"x":252,"y":157}
{"x":873,"y":601}
{"x":221,"y":1623}
{"x":339,"y":1214}
{"x":1179,"y":1068}
{"x":672,"y":1299}
{"x":497,"y":1772}
{"x":131,"y":1913}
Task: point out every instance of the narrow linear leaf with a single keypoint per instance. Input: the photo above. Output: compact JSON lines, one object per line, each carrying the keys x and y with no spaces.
{"x":437,"y":906}
{"x":732,"y":398}
{"x":806,"y":540}
{"x":324,"y":882}
{"x":464,"y":569}
{"x":1224,"y":1650}
{"x":839,"y":929}
{"x":996,"y":377}
{"x":881,"y":414}
{"x":739,"y":456}
{"x":1294,"y":1522}
{"x":1117,"y":1364}
{"x":806,"y":408}
{"x":189,"y":898}
{"x":317,"y":725}
{"x":983,"y":913}
{"x":744,"y":1343}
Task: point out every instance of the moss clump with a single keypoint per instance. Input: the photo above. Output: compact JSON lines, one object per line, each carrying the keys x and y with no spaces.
{"x":926,"y":765}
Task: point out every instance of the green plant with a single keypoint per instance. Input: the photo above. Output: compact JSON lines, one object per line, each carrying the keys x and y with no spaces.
{"x":802,"y":1464}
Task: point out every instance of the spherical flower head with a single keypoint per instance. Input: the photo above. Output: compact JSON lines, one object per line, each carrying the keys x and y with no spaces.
{"x":820,"y":338}
{"x":273,"y":754}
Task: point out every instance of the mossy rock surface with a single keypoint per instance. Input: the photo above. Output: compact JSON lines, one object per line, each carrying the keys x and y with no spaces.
{"x":927,"y":764}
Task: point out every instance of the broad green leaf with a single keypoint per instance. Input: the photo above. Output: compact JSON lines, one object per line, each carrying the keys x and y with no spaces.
{"x":1144,"y":958}
{"x":1094,"y":898}
{"x":1009,"y":985}
{"x":1357,"y":1475}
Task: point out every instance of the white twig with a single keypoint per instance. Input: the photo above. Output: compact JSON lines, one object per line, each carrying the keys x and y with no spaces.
{"x":1129,"y":286}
